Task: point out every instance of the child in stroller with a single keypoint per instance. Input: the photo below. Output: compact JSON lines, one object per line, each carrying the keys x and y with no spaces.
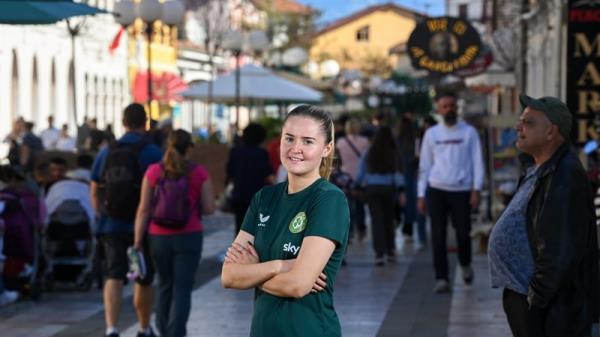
{"x":68,"y":244}
{"x":21,"y":217}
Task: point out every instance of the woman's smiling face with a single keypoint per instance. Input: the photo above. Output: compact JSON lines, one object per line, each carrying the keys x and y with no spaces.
{"x":303,"y":146}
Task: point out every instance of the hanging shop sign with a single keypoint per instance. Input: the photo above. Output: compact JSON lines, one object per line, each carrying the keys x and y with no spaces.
{"x":583,"y":69}
{"x":443,"y":45}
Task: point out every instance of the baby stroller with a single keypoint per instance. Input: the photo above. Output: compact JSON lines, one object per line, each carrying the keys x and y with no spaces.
{"x":20,"y":215}
{"x":68,"y":244}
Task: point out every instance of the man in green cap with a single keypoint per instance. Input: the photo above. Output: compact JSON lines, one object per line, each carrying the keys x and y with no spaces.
{"x":543,"y":249}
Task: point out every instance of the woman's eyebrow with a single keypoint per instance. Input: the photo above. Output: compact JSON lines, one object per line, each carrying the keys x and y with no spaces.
{"x":303,"y":137}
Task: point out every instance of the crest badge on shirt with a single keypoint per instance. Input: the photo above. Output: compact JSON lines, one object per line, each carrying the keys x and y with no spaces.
{"x":298,"y":223}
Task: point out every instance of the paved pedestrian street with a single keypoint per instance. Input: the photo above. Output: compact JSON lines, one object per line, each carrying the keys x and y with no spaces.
{"x":395,"y":300}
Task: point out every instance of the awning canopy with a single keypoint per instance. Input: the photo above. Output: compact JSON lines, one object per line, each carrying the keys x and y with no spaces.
{"x":25,"y":12}
{"x":256,"y":83}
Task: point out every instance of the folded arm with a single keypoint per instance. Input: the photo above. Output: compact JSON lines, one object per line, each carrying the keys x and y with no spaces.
{"x":304,"y":274}
{"x":247,"y":272}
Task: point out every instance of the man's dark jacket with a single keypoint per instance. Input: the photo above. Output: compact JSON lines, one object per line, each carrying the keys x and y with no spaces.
{"x":561,"y":227}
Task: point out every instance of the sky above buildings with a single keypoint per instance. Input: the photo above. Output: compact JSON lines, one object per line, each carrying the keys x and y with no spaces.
{"x":335,"y":9}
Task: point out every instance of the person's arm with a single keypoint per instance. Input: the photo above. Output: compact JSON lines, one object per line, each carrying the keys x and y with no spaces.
{"x":561,"y":242}
{"x":94,"y":196}
{"x":142,"y":216}
{"x":362,"y":171}
{"x":425,"y":163}
{"x":24,"y":154}
{"x":248,"y":272}
{"x":95,"y":178}
{"x":478,"y":170}
{"x":207,"y":197}
{"x":311,"y":261}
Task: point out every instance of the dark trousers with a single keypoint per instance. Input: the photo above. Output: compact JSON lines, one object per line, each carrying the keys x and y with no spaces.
{"x":522,"y":321}
{"x":239,"y":210}
{"x":357,"y":216}
{"x":440,"y":204}
{"x":381,"y":200}
{"x":176,"y":258}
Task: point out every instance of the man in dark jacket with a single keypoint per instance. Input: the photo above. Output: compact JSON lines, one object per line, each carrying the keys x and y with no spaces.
{"x":543,"y":250}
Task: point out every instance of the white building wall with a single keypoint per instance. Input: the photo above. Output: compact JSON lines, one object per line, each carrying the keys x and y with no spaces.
{"x":544,"y":53}
{"x":50,"y":45}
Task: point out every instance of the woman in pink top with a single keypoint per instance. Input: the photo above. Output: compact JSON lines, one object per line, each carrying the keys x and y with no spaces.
{"x":175,"y":252}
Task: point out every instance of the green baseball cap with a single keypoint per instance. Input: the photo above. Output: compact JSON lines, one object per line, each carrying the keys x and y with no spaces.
{"x":555,"y":110}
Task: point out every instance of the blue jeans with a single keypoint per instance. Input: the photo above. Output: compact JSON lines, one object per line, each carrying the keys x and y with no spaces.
{"x":176,"y":258}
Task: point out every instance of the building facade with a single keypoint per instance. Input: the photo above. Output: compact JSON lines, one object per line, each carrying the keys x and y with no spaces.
{"x":42,"y":75}
{"x":364,"y":37}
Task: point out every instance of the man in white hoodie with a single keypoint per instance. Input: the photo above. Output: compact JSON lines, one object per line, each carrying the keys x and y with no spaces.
{"x":450,"y":179}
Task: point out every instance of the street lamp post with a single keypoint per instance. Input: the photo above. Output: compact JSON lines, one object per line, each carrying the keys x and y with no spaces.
{"x":236,"y":42}
{"x":74,"y":30}
{"x":149,"y":11}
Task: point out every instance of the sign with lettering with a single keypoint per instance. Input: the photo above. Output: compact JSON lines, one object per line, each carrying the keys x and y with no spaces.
{"x":443,"y":45}
{"x":583,"y":69}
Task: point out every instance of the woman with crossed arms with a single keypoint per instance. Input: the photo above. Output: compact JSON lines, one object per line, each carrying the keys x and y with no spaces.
{"x":293,"y":237}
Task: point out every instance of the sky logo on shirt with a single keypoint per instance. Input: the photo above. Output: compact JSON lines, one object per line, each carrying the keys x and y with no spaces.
{"x":263,"y":220}
{"x":298,"y":223}
{"x":290,"y":248}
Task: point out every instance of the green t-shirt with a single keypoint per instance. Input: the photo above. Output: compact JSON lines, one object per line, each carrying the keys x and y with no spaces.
{"x":279,"y":222}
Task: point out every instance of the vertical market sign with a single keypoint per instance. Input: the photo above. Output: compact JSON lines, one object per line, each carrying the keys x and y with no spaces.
{"x":443,"y":45}
{"x":583,"y":68}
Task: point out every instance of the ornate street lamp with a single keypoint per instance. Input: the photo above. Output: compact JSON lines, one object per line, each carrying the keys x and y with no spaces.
{"x":149,"y":11}
{"x":237,"y":42}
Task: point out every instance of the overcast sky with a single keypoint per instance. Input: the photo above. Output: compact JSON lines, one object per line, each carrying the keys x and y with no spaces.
{"x":335,"y":9}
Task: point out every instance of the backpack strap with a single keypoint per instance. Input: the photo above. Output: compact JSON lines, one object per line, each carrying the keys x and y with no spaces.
{"x":352,"y":146}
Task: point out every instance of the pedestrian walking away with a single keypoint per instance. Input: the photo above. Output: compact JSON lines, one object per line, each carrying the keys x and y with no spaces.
{"x":174,"y":195}
{"x":294,"y":236}
{"x":450,"y":181}
{"x":379,"y":173}
{"x":543,"y":250}
{"x":115,"y":188}
{"x":351,"y":148}
{"x":249,"y":169}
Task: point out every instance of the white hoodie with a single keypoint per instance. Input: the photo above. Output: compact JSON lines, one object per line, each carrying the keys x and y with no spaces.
{"x":451,"y":159}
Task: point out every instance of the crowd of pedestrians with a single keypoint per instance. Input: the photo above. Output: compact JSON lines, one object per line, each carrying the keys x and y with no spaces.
{"x":119,"y":192}
{"x":298,"y":202}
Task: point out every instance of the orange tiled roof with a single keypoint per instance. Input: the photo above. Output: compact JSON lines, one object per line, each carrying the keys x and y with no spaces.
{"x":284,"y":6}
{"x":367,"y":11}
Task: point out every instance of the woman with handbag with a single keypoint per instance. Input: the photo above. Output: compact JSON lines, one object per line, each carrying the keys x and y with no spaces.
{"x":175,"y":193}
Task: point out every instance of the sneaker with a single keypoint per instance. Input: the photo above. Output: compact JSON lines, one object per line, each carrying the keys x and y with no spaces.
{"x":391,"y":258}
{"x":8,"y":297}
{"x":150,"y":333}
{"x":379,"y":261}
{"x":467,"y":274}
{"x":441,"y":286}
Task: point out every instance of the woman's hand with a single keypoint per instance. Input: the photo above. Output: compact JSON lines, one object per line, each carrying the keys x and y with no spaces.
{"x":320,"y":283}
{"x":241,"y":254}
{"x":137,"y":244}
{"x":402,"y":199}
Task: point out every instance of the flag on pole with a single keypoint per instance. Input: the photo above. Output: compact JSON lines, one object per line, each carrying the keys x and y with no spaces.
{"x":116,"y":41}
